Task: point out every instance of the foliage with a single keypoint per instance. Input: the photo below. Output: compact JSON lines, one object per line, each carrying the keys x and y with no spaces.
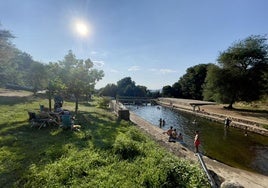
{"x":103,"y":102}
{"x":167,"y":91}
{"x":6,"y":50}
{"x":242,"y":72}
{"x":109,"y":90}
{"x":92,"y":157}
{"x":124,"y":87}
{"x":78,"y":76}
{"x":191,"y":83}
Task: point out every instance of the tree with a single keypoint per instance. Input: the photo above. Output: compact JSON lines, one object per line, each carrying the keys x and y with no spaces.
{"x":177,"y":91}
{"x":167,"y":91}
{"x":125,"y":87}
{"x":79,"y":76}
{"x":191,"y":83}
{"x":37,"y":77}
{"x":109,"y":90}
{"x":241,"y":73}
{"x":6,"y":53}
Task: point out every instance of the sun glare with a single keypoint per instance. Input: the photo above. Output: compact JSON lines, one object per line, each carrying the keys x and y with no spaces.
{"x":82,"y":28}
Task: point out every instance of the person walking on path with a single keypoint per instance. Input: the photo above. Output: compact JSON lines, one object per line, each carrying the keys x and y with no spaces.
{"x":196,"y":141}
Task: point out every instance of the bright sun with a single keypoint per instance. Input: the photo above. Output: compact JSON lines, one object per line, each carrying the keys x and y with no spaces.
{"x":82,"y":28}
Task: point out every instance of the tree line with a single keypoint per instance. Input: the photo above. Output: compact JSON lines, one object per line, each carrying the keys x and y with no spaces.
{"x":70,"y":76}
{"x":127,"y":87}
{"x":240,"y":74}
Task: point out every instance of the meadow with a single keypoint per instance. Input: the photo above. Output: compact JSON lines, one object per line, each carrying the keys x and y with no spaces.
{"x":106,"y":152}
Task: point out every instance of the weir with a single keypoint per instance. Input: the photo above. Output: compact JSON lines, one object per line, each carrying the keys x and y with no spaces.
{"x":135,"y":100}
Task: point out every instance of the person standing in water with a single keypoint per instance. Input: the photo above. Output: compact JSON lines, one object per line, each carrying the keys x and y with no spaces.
{"x":196,"y":141}
{"x":160,"y":122}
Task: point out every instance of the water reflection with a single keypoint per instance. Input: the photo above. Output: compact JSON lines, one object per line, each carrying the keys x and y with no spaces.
{"x":228,"y":145}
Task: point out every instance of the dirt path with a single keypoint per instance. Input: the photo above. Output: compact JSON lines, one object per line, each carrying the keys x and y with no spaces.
{"x":224,"y":173}
{"x":14,"y":93}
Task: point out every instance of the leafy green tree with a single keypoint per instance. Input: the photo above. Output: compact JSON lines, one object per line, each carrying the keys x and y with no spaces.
{"x":241,"y":73}
{"x":140,"y":91}
{"x":79,"y":76}
{"x":6,"y":53}
{"x":191,"y":83}
{"x":109,"y":90}
{"x":125,"y":87}
{"x":55,"y":83}
{"x":37,"y":77}
{"x":167,"y":91}
{"x":6,"y":46}
{"x":176,"y":89}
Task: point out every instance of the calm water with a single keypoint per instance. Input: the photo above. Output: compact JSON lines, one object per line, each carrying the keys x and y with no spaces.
{"x":229,"y":146}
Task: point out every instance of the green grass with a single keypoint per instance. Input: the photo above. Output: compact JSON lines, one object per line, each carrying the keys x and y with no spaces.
{"x":105,"y":153}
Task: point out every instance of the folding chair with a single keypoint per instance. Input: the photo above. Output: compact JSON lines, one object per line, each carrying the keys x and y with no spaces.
{"x":66,"y":122}
{"x":35,"y":121}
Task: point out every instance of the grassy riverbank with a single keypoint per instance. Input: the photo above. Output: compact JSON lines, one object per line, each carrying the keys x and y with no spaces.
{"x":105,"y":153}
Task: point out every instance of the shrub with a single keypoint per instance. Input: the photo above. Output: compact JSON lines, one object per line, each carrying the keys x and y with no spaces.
{"x":126,"y":148}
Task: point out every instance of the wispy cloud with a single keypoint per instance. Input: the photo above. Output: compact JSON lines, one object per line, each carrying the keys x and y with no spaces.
{"x":114,"y":71}
{"x":153,"y":70}
{"x":98,"y":54}
{"x":134,"y":68}
{"x":163,"y":71}
{"x":98,"y":63}
{"x":93,"y":52}
{"x":166,"y":71}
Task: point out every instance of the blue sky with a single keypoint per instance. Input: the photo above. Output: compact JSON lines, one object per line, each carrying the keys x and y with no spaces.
{"x":151,"y":41}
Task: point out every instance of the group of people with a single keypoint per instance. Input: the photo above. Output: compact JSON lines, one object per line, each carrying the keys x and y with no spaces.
{"x":173,"y":135}
{"x":162,"y":122}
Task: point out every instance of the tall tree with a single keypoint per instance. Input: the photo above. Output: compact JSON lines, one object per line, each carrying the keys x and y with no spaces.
{"x":191,"y":83}
{"x":167,"y":91}
{"x":125,"y":87}
{"x":6,"y":53}
{"x":37,"y":76}
{"x":109,"y":90}
{"x":240,"y":75}
{"x":79,"y":76}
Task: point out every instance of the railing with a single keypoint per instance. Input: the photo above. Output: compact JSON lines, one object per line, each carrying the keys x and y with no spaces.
{"x":133,"y":100}
{"x":211,"y":180}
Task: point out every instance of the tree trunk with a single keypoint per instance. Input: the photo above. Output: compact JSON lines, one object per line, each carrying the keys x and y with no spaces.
{"x":76,"y":105}
{"x":49,"y":100}
{"x":230,"y":106}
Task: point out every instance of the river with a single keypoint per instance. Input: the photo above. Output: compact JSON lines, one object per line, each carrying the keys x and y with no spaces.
{"x":229,"y":146}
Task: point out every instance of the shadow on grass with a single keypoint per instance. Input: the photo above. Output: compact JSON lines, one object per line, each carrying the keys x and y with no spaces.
{"x":103,"y":130}
{"x":23,"y":146}
{"x":13,"y":100}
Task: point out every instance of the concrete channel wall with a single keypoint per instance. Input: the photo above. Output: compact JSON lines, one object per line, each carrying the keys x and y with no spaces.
{"x":121,"y":111}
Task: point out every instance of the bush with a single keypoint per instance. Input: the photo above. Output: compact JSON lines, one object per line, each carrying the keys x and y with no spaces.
{"x":126,"y":148}
{"x":103,"y":102}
